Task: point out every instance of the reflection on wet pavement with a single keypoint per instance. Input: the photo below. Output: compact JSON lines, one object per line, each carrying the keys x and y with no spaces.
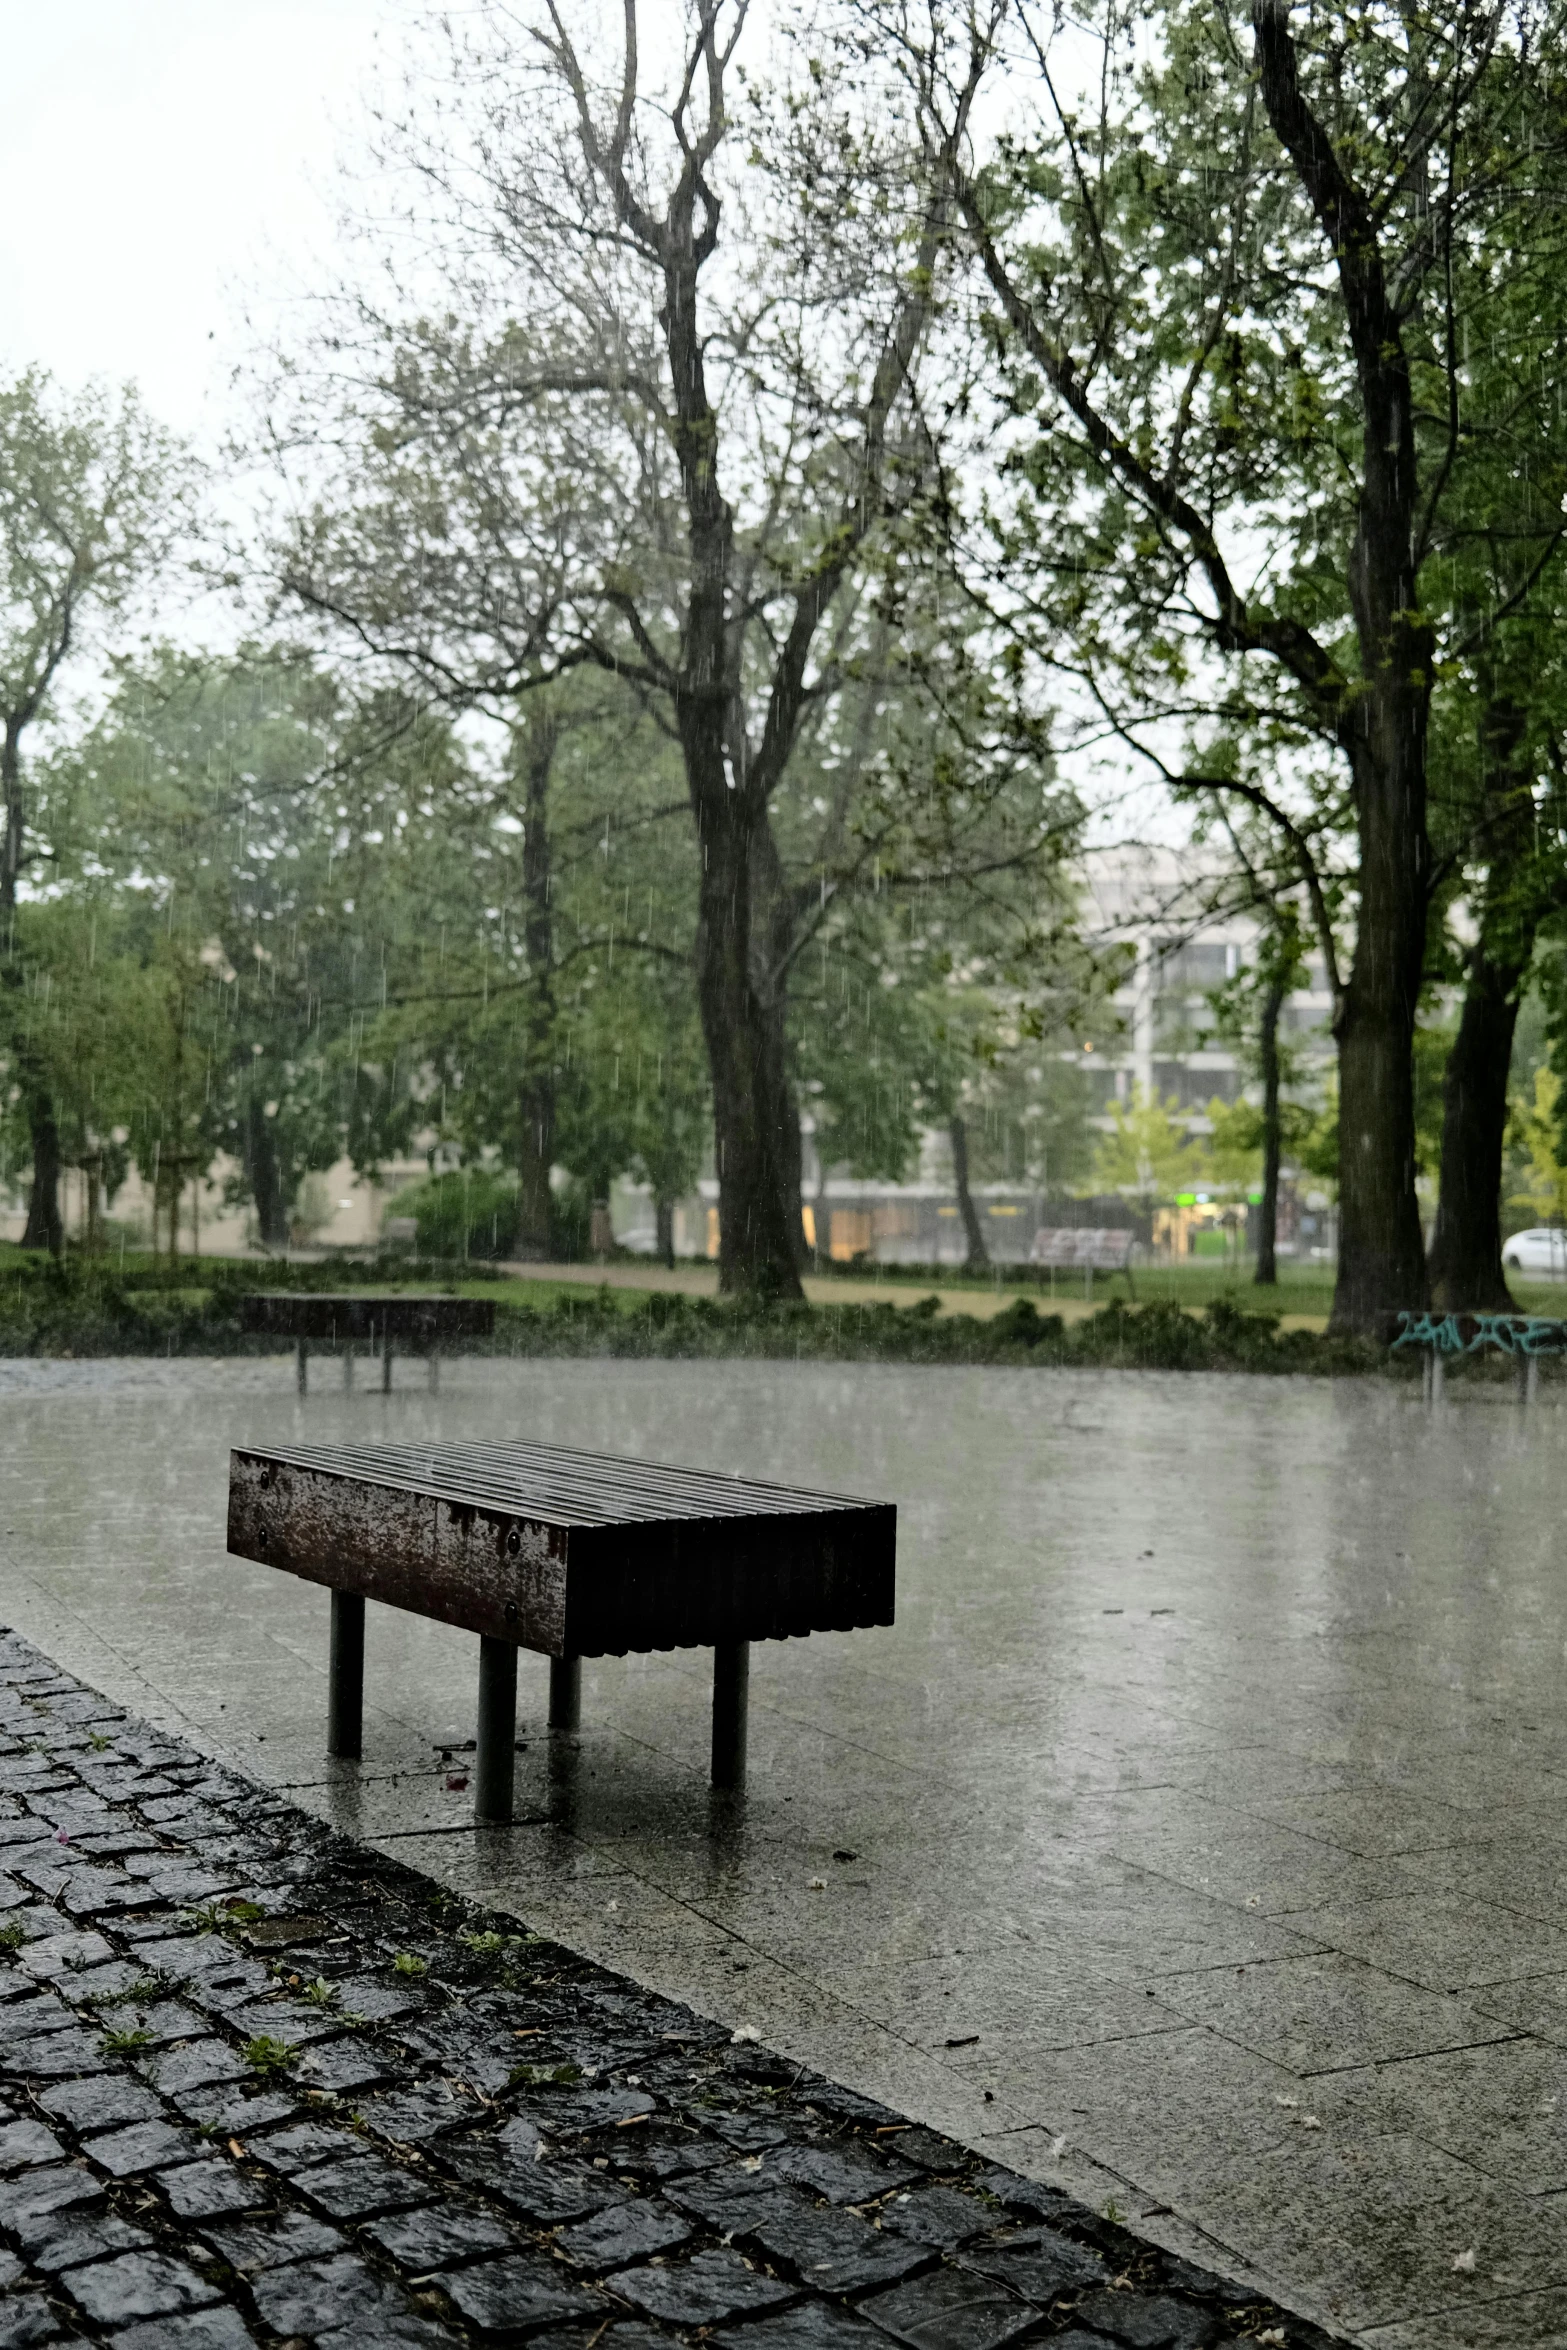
{"x":1195,"y":1840}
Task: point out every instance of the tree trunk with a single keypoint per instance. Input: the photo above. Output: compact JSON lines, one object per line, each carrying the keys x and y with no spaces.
{"x":92,"y":1170}
{"x":756,"y":1236}
{"x":1381,"y":721}
{"x":664,"y":1221}
{"x":44,"y":1228}
{"x":772,"y":945}
{"x":264,"y":1173}
{"x":1267,"y":1272}
{"x":1381,"y":1265}
{"x":13,"y":838}
{"x":978,"y":1258}
{"x":1466,"y":1246}
{"x":536,"y":1095}
{"x":167,"y":1191}
{"x":757,"y":1229}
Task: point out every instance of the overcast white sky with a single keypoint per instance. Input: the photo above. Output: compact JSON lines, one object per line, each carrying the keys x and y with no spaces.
{"x":162,"y":158}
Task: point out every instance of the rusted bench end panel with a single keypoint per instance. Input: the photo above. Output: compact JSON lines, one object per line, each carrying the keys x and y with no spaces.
{"x":486,"y":1572}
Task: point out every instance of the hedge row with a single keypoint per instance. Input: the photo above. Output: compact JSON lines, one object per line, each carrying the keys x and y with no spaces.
{"x":86,"y":1309}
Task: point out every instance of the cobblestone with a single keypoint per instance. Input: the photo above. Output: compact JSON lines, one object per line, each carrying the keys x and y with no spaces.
{"x":704,"y":2290}
{"x":948,"y":2310}
{"x":618,"y":2237}
{"x":441,"y":2238}
{"x":305,"y":2296}
{"x":136,"y":2284}
{"x":293,"y":2235}
{"x":1040,"y":2267}
{"x":228,"y":2118}
{"x":144,"y":2146}
{"x":101,"y":2102}
{"x":201,"y":2190}
{"x":76,"y":2240}
{"x":936,"y":2216}
{"x":203,"y":2329}
{"x":835,"y":2251}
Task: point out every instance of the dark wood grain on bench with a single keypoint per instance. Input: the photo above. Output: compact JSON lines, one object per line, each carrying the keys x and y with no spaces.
{"x":570,"y":1553}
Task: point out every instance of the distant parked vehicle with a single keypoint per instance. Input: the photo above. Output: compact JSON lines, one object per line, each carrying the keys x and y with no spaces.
{"x":1542,"y":1250}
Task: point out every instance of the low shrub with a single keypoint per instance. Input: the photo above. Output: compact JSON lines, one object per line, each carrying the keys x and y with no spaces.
{"x":466,"y":1213}
{"x":88,"y":1306}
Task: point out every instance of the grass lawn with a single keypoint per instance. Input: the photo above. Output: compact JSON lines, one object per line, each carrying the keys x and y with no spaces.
{"x":1303,"y":1295}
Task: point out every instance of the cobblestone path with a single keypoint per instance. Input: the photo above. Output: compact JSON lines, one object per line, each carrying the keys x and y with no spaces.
{"x":258,"y":2085}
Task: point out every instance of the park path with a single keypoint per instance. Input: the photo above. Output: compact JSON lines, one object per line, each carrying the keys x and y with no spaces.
{"x":1195,"y":1842}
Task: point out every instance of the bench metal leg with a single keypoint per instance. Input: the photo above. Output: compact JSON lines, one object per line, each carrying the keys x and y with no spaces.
{"x":435,"y":1370}
{"x":731,"y":1709}
{"x":348,"y":1370}
{"x":301,"y":1358}
{"x":346,"y":1676}
{"x":497,"y":1744}
{"x":1531,"y":1389}
{"x":386,"y":1368}
{"x":565,"y":1692}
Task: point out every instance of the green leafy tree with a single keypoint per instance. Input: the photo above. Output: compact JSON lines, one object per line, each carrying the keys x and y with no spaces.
{"x":543,"y":992}
{"x":74,"y":1030}
{"x":93,"y":496}
{"x":944,"y":1007}
{"x":1536,"y":1136}
{"x":1234,"y":1146}
{"x":1249,"y":1011}
{"x":1239,"y":296}
{"x":1149,"y":1153}
{"x":669,"y":423}
{"x":246,"y":812}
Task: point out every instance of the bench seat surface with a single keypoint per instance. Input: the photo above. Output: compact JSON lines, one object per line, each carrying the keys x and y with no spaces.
{"x":335,"y":1321}
{"x":572,"y":1553}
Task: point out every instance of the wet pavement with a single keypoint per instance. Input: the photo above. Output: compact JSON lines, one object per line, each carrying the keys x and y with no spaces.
{"x":260,"y":2085}
{"x":1194,"y":1843}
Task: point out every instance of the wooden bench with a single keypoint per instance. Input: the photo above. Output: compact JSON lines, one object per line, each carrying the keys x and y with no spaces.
{"x":1087,"y":1249}
{"x":427,"y":1326}
{"x":569,"y":1553}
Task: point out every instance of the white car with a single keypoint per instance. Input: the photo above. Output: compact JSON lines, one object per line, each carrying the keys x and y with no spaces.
{"x":1542,"y":1250}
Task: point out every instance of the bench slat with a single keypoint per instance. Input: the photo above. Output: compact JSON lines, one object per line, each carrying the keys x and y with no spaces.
{"x":565,"y":1485}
